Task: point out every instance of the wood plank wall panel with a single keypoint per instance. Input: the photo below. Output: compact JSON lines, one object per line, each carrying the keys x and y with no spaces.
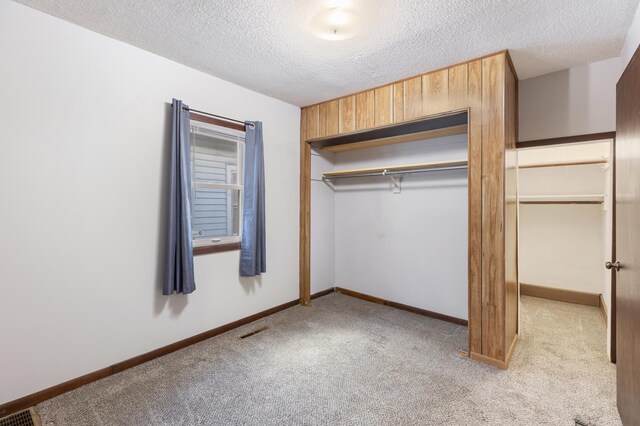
{"x":458,"y":86}
{"x":322,"y":119}
{"x":511,"y":212}
{"x":413,"y":98}
{"x":493,"y":147}
{"x":365,"y":110}
{"x":313,"y":122}
{"x":303,"y":124}
{"x":383,"y":106}
{"x":333,"y":117}
{"x":347,"y":114}
{"x":488,"y":88}
{"x":474,"y":88}
{"x":435,"y":92}
{"x":398,"y":102}
{"x":305,"y":210}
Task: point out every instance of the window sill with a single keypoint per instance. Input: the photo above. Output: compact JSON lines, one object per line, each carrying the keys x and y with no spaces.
{"x":216,"y":248}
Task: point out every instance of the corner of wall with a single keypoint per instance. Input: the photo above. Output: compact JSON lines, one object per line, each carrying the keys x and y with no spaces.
{"x":570,"y":102}
{"x":631,"y":41}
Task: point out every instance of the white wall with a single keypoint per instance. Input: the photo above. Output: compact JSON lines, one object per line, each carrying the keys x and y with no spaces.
{"x":565,"y":246}
{"x":632,"y":41}
{"x":323,"y":226}
{"x":84,"y":136}
{"x":410,"y":247}
{"x":562,"y":246}
{"x":574,"y":101}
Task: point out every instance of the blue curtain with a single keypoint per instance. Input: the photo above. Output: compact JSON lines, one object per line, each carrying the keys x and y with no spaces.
{"x":179,"y":277}
{"x":253,"y":252}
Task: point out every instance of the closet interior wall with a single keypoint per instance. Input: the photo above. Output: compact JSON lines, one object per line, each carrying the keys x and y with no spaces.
{"x":487,"y":89}
{"x":408,"y":247}
{"x":323,"y":226}
{"x":564,"y":245}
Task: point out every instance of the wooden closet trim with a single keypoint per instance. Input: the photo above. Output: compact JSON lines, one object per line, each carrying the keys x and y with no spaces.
{"x":490,"y":97}
{"x":402,"y":80}
{"x":305,"y":213}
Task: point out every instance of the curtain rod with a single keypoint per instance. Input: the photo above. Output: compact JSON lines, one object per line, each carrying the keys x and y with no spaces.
{"x":222,"y":117}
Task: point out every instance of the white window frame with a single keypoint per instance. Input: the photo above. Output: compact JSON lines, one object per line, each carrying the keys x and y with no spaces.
{"x":232,"y":135}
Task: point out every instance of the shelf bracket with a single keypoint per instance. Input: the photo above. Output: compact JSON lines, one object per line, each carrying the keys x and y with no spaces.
{"x":395,"y":181}
{"x":329,"y":183}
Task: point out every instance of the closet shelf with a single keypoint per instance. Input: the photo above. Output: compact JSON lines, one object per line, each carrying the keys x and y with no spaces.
{"x":562,"y":199}
{"x":394,"y":170}
{"x":565,"y":163}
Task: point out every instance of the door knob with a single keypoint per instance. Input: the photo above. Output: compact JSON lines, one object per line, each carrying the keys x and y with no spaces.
{"x":615,"y":265}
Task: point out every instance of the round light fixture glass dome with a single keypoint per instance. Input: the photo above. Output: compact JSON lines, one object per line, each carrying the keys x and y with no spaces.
{"x":335,"y":24}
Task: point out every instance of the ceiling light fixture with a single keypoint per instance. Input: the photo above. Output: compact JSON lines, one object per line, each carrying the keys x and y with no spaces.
{"x":335,"y":24}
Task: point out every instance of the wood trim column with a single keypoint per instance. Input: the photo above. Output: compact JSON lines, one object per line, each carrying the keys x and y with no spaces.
{"x":493,"y":147}
{"x":305,"y":213}
{"x":475,"y":205}
{"x":510,"y":208}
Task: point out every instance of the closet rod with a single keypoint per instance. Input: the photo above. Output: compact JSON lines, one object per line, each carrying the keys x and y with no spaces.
{"x":392,"y":173}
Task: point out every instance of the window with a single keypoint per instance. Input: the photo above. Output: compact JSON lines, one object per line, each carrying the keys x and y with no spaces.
{"x":217,"y":158}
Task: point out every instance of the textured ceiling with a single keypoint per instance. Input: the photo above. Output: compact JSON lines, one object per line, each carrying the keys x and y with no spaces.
{"x":265,"y":45}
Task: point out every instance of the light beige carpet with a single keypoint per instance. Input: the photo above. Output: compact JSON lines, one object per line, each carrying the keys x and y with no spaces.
{"x":345,"y":361}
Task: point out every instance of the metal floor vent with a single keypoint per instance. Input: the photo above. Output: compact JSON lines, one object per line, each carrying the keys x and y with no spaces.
{"x":260,"y":330}
{"x":23,"y":418}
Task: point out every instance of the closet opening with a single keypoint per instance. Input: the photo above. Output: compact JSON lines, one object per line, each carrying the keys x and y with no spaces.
{"x":565,"y":237}
{"x":390,"y":219}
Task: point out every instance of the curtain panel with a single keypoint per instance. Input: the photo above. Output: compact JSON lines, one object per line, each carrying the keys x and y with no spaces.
{"x":179,"y":275}
{"x":253,"y":248}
